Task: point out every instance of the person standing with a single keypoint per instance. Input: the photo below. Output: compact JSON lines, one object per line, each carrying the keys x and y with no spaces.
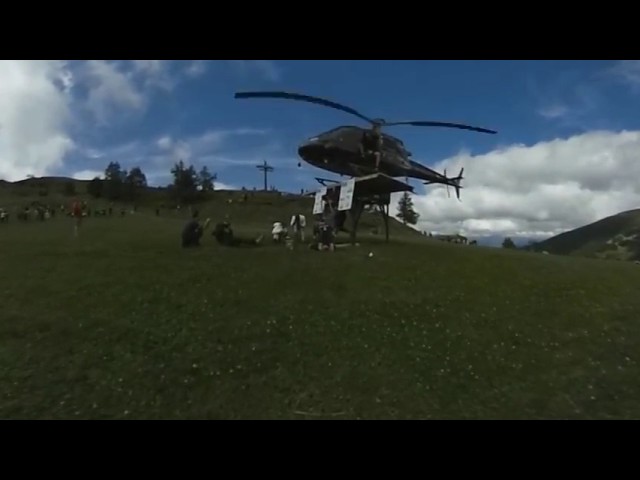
{"x":298,"y":224}
{"x":76,"y":213}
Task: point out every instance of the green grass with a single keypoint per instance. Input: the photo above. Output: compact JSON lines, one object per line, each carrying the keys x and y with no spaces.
{"x":122,"y":323}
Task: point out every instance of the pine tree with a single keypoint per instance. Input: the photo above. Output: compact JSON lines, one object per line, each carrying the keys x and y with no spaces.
{"x":508,"y":243}
{"x":206,"y":180}
{"x":406,"y":212}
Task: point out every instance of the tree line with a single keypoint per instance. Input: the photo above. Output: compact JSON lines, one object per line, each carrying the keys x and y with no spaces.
{"x":119,"y":184}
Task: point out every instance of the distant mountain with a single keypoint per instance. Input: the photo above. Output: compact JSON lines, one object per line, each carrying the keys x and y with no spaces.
{"x":616,"y":237}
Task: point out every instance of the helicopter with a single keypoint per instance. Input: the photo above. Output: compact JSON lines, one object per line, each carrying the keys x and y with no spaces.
{"x":340,"y":150}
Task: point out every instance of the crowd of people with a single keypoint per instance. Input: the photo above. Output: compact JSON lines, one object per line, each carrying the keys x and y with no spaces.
{"x":325,"y":228}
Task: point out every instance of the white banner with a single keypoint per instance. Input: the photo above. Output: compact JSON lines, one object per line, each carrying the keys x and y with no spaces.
{"x":318,"y":206}
{"x":346,"y":194}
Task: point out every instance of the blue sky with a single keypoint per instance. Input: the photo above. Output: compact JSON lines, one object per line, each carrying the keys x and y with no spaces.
{"x":72,"y":118}
{"x":526,"y":101}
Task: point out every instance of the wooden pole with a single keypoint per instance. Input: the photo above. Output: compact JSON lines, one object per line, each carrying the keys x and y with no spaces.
{"x":356,"y":212}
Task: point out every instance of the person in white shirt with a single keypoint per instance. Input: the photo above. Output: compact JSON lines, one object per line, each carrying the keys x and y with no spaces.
{"x":277,"y":232}
{"x":298,"y":224}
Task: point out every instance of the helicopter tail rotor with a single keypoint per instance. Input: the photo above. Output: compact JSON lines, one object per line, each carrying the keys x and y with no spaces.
{"x":456,"y":182}
{"x":451,"y":182}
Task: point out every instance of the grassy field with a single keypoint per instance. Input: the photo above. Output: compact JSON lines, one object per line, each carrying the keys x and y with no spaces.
{"x":122,"y":323}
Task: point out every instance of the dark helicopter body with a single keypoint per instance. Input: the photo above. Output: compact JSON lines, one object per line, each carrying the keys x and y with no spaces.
{"x":339,"y":151}
{"x":342,"y":150}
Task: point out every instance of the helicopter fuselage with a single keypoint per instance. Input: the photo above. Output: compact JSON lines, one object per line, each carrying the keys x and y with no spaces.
{"x":339,"y":151}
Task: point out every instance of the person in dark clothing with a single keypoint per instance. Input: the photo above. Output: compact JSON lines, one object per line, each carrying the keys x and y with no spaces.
{"x":326,"y":228}
{"x":324,"y":237}
{"x":332,"y":216}
{"x":339,"y":219}
{"x":371,"y":146}
{"x":327,"y":238}
{"x":224,"y":236}
{"x":192,"y":232}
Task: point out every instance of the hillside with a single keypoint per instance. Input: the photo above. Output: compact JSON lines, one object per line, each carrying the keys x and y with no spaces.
{"x":260,"y":209}
{"x":616,"y":237}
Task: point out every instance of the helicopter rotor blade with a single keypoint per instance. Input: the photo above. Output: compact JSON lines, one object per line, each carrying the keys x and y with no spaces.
{"x":442,"y":124}
{"x":304,"y":98}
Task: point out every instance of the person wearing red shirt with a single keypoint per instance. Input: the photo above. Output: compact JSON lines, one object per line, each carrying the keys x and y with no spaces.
{"x":76,"y":213}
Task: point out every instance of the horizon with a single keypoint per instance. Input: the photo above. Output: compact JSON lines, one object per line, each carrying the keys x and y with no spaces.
{"x":489,"y":240}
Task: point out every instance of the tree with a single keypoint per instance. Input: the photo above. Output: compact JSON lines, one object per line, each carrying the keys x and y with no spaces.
{"x":95,"y":187}
{"x":406,"y":212}
{"x":206,"y":180}
{"x":114,"y":178}
{"x":185,"y":182}
{"x":508,"y":243}
{"x":135,"y":183}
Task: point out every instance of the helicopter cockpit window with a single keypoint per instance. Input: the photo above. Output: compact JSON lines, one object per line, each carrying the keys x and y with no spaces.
{"x":395,"y":139}
{"x":392,"y":143}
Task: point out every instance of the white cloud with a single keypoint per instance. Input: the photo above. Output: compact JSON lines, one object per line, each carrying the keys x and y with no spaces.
{"x":539,"y":190}
{"x":196,"y":68}
{"x":224,"y":186}
{"x":88,"y":174}
{"x":149,"y":67}
{"x":164,"y":143}
{"x":111,"y":89}
{"x":34,"y":115}
{"x":44,"y":103}
{"x":156,"y":158}
{"x":155,"y":73}
{"x":628,"y":72}
{"x":553,"y":111}
{"x":115,"y":87}
{"x":199,"y":148}
{"x":265,"y":68}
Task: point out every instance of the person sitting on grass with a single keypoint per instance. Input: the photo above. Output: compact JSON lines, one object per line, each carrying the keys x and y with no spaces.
{"x":192,"y":232}
{"x":278,"y":232}
{"x":324,"y":237}
{"x":224,"y":236}
{"x":327,"y":238}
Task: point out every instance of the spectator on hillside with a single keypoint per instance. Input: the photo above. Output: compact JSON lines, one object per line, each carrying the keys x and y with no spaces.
{"x":192,"y":232}
{"x":224,"y":236}
{"x":76,"y":213}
